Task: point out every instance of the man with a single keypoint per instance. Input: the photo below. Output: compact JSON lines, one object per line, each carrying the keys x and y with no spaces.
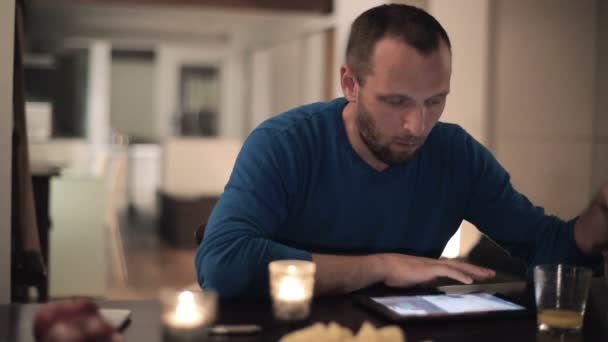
{"x":371,"y":187}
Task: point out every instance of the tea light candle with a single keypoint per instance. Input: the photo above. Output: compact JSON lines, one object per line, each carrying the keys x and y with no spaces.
{"x":292,"y":283}
{"x":291,"y":289}
{"x":186,"y":313}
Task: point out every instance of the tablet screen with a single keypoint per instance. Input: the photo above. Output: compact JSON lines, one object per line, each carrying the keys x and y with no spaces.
{"x":445,"y":304}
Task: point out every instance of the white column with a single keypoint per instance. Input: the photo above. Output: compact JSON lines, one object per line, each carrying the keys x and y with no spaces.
{"x":98,"y":94}
{"x":345,"y":12}
{"x":261,"y":85}
{"x":166,"y":92}
{"x":468,"y":26}
{"x":313,"y":76}
{"x":232,"y":93}
{"x":7,"y":20}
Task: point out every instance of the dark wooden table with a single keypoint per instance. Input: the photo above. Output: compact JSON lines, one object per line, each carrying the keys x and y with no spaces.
{"x":15,"y":320}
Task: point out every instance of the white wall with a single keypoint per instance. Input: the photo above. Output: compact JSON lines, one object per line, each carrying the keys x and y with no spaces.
{"x":544,"y":91}
{"x":467,"y":24}
{"x":287,"y":75}
{"x":600,"y":122}
{"x":131,"y":101}
{"x":261,"y":86}
{"x":232,"y":96}
{"x":7,"y":16}
{"x":314,"y":53}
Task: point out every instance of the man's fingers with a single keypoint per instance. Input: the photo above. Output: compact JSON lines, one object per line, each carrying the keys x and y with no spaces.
{"x":476,"y":272}
{"x":116,"y":337}
{"x":451,"y":272}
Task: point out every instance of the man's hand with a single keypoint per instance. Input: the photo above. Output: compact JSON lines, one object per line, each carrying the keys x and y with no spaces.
{"x":340,"y":274}
{"x":76,"y":320}
{"x":591,"y":229}
{"x":406,"y":270}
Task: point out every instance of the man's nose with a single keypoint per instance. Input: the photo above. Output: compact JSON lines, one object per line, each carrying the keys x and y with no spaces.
{"x":414,"y":121}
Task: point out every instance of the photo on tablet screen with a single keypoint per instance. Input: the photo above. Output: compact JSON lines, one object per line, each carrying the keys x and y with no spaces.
{"x":445,"y":304}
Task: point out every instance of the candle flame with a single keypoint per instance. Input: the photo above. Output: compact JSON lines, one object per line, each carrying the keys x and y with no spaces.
{"x":186,"y":311}
{"x":291,"y":288}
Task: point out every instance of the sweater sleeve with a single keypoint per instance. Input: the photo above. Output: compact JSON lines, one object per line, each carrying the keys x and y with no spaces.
{"x":510,"y":219}
{"x":238,"y":243}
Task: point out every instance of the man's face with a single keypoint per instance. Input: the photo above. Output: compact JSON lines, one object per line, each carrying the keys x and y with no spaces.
{"x":401,"y":99}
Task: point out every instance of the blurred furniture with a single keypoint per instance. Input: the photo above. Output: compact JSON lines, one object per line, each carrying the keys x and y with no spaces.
{"x":194,"y":174}
{"x":86,"y":249}
{"x":41,"y":175}
{"x":488,"y":253}
{"x":16,"y":320}
{"x":180,"y":214}
{"x":73,"y":155}
{"x":115,"y":179}
{"x":27,"y":263}
{"x":143,"y":179}
{"x":199,"y":234}
{"x":79,"y":243}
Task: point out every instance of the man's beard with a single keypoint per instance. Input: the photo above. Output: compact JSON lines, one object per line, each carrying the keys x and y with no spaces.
{"x":371,"y":137}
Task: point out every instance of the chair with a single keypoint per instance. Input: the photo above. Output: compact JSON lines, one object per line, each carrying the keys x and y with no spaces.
{"x":195,"y":172}
{"x":116,"y":177}
{"x":200,"y":233}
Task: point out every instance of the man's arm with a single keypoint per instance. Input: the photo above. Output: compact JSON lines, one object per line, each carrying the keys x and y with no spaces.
{"x":525,"y":230}
{"x":238,"y":243}
{"x":341,"y":274}
{"x":591,"y":229}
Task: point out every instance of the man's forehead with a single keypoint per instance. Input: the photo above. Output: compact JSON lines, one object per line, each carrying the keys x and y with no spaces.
{"x":393,"y":49}
{"x":400,"y":68}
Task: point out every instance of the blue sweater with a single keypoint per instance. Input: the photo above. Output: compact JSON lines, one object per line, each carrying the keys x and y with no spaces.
{"x":298,"y":187}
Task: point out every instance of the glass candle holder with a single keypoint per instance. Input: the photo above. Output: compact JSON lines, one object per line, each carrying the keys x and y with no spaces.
{"x":185,"y":314}
{"x":291,"y":288}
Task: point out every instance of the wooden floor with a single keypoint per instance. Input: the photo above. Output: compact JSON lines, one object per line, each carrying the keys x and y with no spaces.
{"x":151,"y":263}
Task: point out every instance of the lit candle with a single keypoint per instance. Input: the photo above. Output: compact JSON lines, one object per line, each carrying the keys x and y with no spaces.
{"x":186,"y":313}
{"x":291,"y":289}
{"x":291,"y":283}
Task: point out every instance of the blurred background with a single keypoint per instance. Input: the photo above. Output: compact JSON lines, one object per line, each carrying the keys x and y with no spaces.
{"x":139,"y":108}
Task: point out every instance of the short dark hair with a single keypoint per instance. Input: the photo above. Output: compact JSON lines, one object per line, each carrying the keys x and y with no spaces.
{"x":409,"y":24}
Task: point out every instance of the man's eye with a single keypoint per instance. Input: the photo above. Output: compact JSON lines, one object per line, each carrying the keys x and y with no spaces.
{"x":395,"y":101}
{"x":434,"y":102}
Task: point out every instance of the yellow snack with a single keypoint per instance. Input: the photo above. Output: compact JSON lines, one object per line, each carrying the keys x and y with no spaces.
{"x":391,"y":333}
{"x":367,"y":333}
{"x":313,"y":333}
{"x":337,"y":333}
{"x":333,"y":332}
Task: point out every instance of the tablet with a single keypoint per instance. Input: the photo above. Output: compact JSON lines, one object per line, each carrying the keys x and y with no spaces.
{"x":438,"y":306}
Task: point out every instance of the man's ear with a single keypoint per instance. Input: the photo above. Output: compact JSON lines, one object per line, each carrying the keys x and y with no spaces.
{"x":348,"y":81}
